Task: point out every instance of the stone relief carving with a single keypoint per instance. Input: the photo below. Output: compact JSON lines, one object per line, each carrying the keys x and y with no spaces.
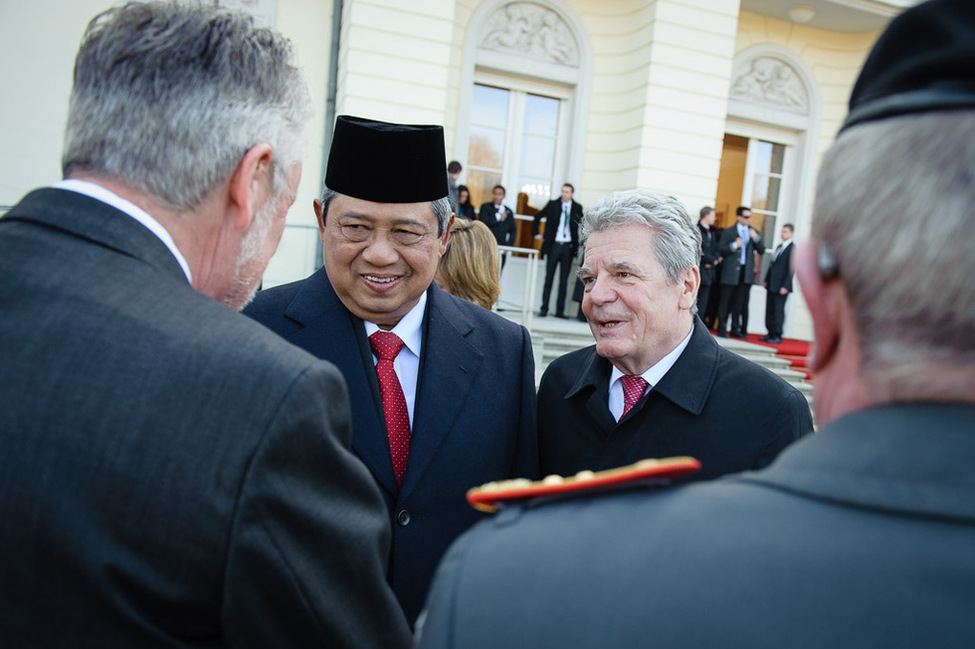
{"x":529,"y":29}
{"x":767,"y":80}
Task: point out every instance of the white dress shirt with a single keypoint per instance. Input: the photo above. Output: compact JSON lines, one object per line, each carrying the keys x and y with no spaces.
{"x":745,"y":236}
{"x":651,"y":376}
{"x":563,"y":235}
{"x":407,"y":362}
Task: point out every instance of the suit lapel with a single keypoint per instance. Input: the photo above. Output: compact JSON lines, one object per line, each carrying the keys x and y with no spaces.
{"x":448,"y":370}
{"x":332,"y":333}
{"x":98,"y":222}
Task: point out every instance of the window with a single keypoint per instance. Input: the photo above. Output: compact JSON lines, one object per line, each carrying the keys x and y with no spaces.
{"x":767,"y":162}
{"x":514,"y":140}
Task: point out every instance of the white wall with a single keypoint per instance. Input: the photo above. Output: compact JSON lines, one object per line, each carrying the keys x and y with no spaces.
{"x":395,"y":61}
{"x":38,"y":42}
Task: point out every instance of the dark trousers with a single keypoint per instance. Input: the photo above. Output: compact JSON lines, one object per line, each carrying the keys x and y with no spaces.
{"x":560,"y":255}
{"x":775,"y":313}
{"x":703,"y":295}
{"x":734,"y":299}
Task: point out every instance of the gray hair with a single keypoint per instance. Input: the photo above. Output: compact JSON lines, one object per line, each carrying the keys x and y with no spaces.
{"x":894,"y":206}
{"x":168,"y":98}
{"x":442,"y":209}
{"x":677,"y":240}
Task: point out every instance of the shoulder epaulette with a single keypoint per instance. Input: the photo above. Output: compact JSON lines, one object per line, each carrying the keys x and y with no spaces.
{"x":488,"y":497}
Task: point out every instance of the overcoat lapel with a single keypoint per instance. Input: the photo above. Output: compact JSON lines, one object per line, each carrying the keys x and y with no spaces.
{"x":447,"y":372}
{"x":595,"y":378}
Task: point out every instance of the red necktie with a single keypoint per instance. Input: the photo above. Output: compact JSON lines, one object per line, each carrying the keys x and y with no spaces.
{"x":386,"y":345}
{"x":633,"y":389}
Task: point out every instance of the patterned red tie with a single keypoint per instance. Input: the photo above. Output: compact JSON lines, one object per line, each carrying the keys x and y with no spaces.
{"x":386,"y":345}
{"x":633,"y":389}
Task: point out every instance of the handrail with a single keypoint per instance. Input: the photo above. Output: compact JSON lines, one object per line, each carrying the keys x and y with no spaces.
{"x":531,"y":273}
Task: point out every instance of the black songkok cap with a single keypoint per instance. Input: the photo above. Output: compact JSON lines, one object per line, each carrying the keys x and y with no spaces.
{"x":924,"y":61}
{"x":387,"y":163}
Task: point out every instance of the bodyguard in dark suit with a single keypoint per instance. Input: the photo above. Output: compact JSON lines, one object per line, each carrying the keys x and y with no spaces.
{"x":778,"y":282}
{"x":857,"y":536}
{"x":171,"y":473}
{"x":709,"y":257}
{"x":559,"y":245}
{"x":466,"y":375}
{"x":690,"y":400}
{"x":500,"y":220}
{"x":737,"y":246}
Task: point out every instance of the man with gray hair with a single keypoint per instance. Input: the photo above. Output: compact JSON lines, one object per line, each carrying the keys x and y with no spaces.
{"x":171,"y":473}
{"x":859,"y":535}
{"x":656,"y":384}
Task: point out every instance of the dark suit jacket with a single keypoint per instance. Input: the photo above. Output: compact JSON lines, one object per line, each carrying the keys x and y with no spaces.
{"x":552,"y":212}
{"x":504,"y":231}
{"x":171,"y":474}
{"x":474,"y":420}
{"x":709,"y":254}
{"x":466,"y":211}
{"x":732,"y":258}
{"x":779,"y":273}
{"x":858,"y":536}
{"x":714,"y":405}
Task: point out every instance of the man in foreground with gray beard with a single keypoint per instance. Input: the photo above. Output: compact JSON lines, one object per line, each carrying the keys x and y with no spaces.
{"x":857,"y":536}
{"x":172,"y":474}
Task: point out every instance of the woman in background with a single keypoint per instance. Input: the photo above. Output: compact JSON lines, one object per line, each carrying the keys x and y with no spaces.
{"x":469,"y":267}
{"x":465,"y":209}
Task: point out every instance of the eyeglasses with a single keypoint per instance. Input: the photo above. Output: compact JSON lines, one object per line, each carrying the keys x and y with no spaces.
{"x":400,"y":235}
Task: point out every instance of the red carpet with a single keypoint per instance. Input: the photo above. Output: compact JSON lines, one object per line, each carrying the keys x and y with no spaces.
{"x":788,"y":346}
{"x":794,"y":351}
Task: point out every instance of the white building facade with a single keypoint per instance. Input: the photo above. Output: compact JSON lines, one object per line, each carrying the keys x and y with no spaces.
{"x":714,"y":102}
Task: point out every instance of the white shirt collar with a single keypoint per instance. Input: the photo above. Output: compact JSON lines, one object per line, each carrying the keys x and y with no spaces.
{"x":407,"y":362}
{"x":99,"y":193}
{"x":653,"y":375}
{"x":409,"y":328}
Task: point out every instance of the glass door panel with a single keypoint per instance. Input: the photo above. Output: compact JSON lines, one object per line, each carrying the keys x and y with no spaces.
{"x":767,"y":161}
{"x":538,"y":147}
{"x":515,"y":141}
{"x":487,"y":144}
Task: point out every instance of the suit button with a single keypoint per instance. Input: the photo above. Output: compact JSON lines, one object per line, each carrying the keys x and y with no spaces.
{"x":403,"y":518}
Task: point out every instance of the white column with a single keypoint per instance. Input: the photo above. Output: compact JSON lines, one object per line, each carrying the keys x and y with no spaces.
{"x":395,"y":60}
{"x":691,"y":53}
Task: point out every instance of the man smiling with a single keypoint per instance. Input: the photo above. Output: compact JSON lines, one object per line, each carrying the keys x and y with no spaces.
{"x":442,"y":392}
{"x":656,"y":384}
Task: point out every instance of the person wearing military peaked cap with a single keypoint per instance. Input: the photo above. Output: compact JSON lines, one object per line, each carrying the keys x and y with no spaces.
{"x":859,"y":535}
{"x":453,"y":404}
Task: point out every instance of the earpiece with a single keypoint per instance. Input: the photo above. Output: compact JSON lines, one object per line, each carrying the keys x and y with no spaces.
{"x":826,"y":261}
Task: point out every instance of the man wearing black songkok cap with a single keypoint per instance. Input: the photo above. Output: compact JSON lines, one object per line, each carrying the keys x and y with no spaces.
{"x":860,"y":535}
{"x":442,"y":391}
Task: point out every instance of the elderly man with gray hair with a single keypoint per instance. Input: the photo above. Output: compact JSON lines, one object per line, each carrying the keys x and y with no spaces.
{"x":656,"y":384}
{"x":857,"y":536}
{"x":172,"y":474}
